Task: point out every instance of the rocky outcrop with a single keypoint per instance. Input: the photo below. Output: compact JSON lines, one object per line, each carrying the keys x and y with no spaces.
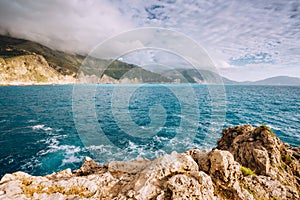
{"x":248,"y":163}
{"x":261,"y":151}
{"x":29,"y":70}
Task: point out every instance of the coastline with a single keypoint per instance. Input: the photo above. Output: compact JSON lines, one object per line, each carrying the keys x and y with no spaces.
{"x":36,"y":84}
{"x":248,"y":163}
{"x":129,"y":83}
{"x":16,"y":83}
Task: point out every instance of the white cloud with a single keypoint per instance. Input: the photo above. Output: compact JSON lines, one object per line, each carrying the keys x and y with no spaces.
{"x":253,"y":32}
{"x":73,"y":25}
{"x":242,"y":37}
{"x":154,"y":57}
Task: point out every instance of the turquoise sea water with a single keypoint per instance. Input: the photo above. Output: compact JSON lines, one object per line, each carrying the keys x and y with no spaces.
{"x":39,"y":133}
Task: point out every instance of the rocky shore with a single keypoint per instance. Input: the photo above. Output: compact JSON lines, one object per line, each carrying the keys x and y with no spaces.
{"x":248,"y":163}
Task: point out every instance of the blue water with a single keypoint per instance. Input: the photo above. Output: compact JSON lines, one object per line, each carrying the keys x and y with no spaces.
{"x":39,"y":133}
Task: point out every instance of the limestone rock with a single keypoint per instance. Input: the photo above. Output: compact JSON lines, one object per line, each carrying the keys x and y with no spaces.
{"x":67,"y":173}
{"x":29,"y":70}
{"x":223,"y":167}
{"x":183,"y":186}
{"x":225,"y":173}
{"x":89,"y":167}
{"x":132,"y":167}
{"x":264,"y":187}
{"x":150,"y":182}
{"x":261,"y":151}
{"x":186,"y":186}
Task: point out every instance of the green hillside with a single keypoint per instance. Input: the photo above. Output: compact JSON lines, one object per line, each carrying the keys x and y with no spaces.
{"x":69,"y":64}
{"x":64,"y":63}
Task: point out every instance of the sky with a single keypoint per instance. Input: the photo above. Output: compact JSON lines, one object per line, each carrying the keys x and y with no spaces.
{"x":246,"y":40}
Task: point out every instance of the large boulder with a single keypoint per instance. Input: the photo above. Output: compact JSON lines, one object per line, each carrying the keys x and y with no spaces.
{"x":265,"y":154}
{"x":198,"y":186}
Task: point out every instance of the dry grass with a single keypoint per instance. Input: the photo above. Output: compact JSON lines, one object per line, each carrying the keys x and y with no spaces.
{"x":30,"y":189}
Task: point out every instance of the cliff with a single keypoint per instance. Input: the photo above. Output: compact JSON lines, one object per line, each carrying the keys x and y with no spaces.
{"x":248,"y":163}
{"x":29,"y":70}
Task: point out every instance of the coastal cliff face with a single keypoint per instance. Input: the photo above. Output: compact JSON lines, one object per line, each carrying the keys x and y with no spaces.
{"x":248,"y":163}
{"x":29,"y":70}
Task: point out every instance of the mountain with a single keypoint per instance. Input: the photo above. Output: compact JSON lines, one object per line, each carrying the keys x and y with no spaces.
{"x":206,"y":76}
{"x":21,"y":60}
{"x":278,"y":80}
{"x":27,"y":62}
{"x":227,"y":81}
{"x":64,"y":63}
{"x":188,"y":75}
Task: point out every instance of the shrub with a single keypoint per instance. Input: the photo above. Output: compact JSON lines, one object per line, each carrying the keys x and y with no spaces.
{"x":246,"y":188}
{"x":247,"y":171}
{"x":265,"y":127}
{"x":284,"y":167}
{"x":286,"y":159}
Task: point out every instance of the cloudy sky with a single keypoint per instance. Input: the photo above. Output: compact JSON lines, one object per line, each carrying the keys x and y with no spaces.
{"x":247,"y":40}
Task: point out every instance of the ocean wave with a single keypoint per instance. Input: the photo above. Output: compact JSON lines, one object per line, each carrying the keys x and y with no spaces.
{"x":71,"y":159}
{"x":105,"y":153}
{"x":31,"y":164}
{"x":41,"y":127}
{"x":71,"y":153}
{"x":274,"y":127}
{"x":55,"y":156}
{"x":10,"y":161}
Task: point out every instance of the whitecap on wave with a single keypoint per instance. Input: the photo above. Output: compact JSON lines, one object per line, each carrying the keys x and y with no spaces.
{"x":41,"y":127}
{"x":105,"y":153}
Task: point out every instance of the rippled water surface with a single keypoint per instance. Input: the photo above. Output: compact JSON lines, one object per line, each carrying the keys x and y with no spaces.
{"x":38,"y":132}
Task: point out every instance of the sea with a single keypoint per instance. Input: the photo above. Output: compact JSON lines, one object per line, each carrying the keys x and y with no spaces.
{"x":44,"y":129}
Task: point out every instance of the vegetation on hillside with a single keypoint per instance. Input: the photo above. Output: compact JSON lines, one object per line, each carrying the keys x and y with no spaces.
{"x":71,"y":64}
